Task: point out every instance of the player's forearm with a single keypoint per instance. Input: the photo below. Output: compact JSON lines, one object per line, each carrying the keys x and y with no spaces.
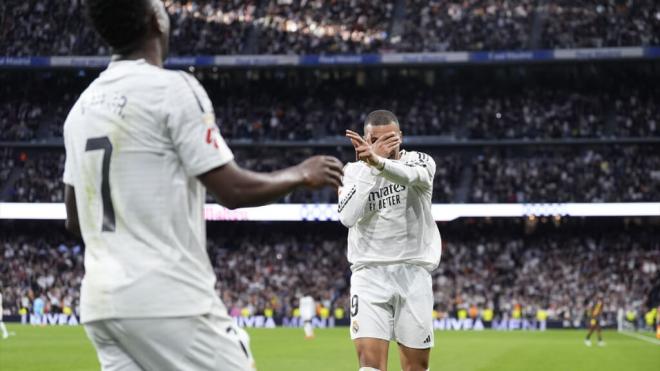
{"x":257,"y":189}
{"x":351,"y":205}
{"x":234,"y":187}
{"x":402,"y":174}
{"x":354,"y":196}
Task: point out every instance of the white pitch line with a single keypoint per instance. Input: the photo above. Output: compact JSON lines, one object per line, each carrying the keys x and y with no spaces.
{"x":640,"y":337}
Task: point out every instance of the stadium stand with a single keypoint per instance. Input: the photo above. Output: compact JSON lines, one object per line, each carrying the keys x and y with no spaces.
{"x":554,"y":265}
{"x":445,"y":25}
{"x":323,"y":27}
{"x":526,"y":175}
{"x":575,"y":24}
{"x":43,"y":27}
{"x":612,"y":174}
{"x":587,"y":101}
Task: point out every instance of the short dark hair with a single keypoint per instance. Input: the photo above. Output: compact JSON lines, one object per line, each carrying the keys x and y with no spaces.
{"x":381,"y":117}
{"x":121,"y":23}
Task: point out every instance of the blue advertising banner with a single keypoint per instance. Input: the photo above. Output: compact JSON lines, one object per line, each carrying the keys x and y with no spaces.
{"x":510,"y":56}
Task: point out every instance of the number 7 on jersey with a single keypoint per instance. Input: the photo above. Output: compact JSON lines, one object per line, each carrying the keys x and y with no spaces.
{"x":103,"y":143}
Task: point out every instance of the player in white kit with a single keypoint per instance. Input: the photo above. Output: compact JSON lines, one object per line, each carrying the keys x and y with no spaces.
{"x":141,"y":149}
{"x":393,"y":245}
{"x":307,"y":313}
{"x":3,"y":328}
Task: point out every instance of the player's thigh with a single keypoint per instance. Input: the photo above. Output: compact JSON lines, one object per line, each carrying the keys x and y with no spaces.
{"x":372,"y":314}
{"x":206,"y":342}
{"x":413,"y":322}
{"x":110,"y":353}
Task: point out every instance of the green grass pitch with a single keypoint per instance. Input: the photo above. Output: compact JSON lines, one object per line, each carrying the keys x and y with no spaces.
{"x":67,"y":349}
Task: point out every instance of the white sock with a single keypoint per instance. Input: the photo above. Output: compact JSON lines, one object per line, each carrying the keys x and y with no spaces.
{"x":4,"y":329}
{"x":368,"y":369}
{"x":309,"y":330}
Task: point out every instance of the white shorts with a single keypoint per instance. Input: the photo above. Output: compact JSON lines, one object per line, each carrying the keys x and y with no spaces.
{"x":393,"y":302}
{"x":206,"y":342}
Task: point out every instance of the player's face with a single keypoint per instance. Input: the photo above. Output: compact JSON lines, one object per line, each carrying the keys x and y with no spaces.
{"x":375,"y":132}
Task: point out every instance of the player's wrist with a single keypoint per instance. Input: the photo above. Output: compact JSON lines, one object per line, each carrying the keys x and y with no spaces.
{"x":378,"y":163}
{"x":300,"y":175}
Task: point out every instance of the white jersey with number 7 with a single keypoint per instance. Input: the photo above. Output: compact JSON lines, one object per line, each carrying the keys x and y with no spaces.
{"x":135,"y":141}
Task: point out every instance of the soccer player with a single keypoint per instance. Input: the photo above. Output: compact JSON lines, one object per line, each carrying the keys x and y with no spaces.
{"x":142,"y":147}
{"x":594,"y":323}
{"x":39,"y":306}
{"x":393,"y":245}
{"x":307,"y":312}
{"x":3,"y":328}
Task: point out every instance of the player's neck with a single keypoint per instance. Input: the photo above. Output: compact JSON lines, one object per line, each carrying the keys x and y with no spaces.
{"x":151,"y":52}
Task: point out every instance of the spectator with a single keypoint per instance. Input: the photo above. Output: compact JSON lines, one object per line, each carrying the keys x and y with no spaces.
{"x":555,"y":267}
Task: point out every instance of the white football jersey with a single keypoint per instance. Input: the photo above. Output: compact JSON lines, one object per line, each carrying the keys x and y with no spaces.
{"x":307,"y":308}
{"x":135,"y":141}
{"x":388,"y":212}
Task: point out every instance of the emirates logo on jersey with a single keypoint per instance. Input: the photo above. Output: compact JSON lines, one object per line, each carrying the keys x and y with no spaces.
{"x":385,"y":197}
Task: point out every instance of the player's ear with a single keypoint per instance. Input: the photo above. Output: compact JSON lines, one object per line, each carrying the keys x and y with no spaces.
{"x":159,"y":18}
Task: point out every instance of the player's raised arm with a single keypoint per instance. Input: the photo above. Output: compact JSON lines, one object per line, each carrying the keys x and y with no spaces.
{"x":235,"y":187}
{"x":419,"y":172}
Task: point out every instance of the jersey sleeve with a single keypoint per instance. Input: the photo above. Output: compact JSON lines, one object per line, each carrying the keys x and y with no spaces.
{"x":418,"y":171}
{"x":191,"y":124}
{"x":358,"y":181}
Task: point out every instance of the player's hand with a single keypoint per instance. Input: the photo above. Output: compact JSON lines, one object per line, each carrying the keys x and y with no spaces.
{"x":372,"y":153}
{"x":384,"y":146}
{"x":321,"y":171}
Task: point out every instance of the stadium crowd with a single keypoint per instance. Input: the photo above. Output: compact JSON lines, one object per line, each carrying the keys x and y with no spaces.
{"x":595,"y":24}
{"x":347,"y":26}
{"x":324,"y":27}
{"x":610,"y":174}
{"x":282,"y":108}
{"x":445,"y":25}
{"x":40,"y":272}
{"x":61,"y":28}
{"x":558,"y":270}
{"x":619,"y":173}
{"x":264,"y":271}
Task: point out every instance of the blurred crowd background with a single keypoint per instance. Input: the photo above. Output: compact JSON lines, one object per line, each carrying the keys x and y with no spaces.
{"x":493,"y":269}
{"x":346,"y":26}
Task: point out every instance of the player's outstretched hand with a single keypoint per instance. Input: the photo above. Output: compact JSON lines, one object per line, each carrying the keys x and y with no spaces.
{"x":321,"y":171}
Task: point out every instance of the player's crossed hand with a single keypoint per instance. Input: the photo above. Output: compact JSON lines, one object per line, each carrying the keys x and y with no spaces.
{"x":321,"y":171}
{"x":372,"y":153}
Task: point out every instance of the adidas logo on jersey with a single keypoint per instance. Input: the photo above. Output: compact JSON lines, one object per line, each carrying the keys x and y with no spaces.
{"x":428,"y":339}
